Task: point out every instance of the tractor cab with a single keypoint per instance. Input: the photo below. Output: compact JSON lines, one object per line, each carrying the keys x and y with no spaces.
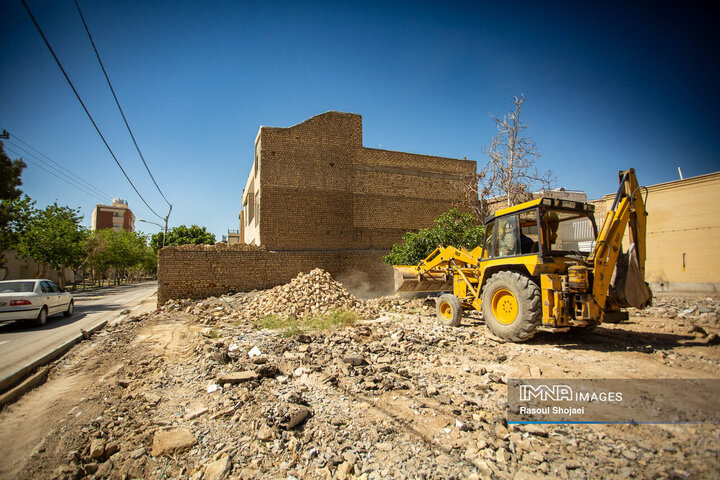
{"x":545,"y":227}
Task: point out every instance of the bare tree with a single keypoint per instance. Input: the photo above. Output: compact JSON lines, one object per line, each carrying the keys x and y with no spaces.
{"x":511,"y":170}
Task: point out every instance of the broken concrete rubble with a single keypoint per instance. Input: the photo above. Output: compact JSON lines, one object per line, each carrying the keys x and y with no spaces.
{"x":396,"y":395}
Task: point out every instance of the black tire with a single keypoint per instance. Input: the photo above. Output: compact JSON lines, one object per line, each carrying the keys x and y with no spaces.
{"x":42,"y":317}
{"x":70,"y":309}
{"x":511,"y":306}
{"x":449,"y":310}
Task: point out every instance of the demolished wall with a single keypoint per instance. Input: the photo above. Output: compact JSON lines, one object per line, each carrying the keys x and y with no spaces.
{"x":198,"y":271}
{"x":314,"y":187}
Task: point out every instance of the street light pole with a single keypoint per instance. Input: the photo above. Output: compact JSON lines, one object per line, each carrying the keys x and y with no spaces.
{"x":164,"y":231}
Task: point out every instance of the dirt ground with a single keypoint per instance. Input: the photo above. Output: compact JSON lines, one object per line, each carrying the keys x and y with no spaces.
{"x":180,"y":393}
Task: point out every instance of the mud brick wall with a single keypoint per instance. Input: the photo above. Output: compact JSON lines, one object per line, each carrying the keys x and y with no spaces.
{"x":198,"y":271}
{"x":321,"y":189}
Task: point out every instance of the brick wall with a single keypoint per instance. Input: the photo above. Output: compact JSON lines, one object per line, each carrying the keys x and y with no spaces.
{"x":198,"y":271}
{"x":324,"y":201}
{"x":321,"y":189}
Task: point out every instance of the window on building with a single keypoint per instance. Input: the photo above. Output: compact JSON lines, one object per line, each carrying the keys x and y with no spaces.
{"x":257,"y":208}
{"x":250,"y":208}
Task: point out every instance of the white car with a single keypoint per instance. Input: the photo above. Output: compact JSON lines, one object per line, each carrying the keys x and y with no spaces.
{"x":34,"y":299}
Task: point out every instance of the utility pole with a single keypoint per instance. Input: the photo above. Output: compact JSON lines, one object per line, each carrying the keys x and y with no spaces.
{"x":166,"y":225}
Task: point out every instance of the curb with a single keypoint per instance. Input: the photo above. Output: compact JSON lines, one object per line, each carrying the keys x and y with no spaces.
{"x":11,"y":388}
{"x":15,"y":377}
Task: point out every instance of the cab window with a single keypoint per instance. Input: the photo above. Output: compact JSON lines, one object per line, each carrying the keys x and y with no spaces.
{"x":489,"y":243}
{"x":568,"y":232}
{"x":529,"y":232}
{"x":507,"y":236}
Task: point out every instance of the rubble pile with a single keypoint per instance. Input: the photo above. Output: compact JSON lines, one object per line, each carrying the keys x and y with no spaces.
{"x":676,"y":307}
{"x":197,"y":391}
{"x":307,"y":294}
{"x":399,"y":396}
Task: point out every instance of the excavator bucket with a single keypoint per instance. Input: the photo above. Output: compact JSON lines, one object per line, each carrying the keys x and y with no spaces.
{"x":408,"y":280}
{"x":628,"y":287}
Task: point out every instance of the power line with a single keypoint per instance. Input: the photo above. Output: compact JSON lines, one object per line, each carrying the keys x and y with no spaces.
{"x":117,"y":102}
{"x":66,"y":172}
{"x":68,"y":177}
{"x":14,"y":152}
{"x":47,"y":43}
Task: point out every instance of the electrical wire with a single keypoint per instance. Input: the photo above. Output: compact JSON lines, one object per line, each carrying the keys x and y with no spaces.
{"x":24,"y":153}
{"x":47,"y":43}
{"x":117,"y":102}
{"x":65,"y":171}
{"x":14,"y":152}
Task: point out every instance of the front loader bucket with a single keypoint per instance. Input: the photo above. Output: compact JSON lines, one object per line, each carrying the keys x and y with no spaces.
{"x":628,"y":287}
{"x":407,"y":280}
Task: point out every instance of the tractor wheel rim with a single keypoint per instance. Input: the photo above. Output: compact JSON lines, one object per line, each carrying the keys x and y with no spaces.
{"x":504,"y":306}
{"x":446,"y":310}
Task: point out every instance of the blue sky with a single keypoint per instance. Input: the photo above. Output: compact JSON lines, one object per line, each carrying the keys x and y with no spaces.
{"x":608,"y":86}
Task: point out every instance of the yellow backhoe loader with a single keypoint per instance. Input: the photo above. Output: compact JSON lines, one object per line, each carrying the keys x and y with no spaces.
{"x":543,"y":262}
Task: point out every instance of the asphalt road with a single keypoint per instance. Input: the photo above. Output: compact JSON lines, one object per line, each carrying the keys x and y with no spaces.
{"x":22,"y":344}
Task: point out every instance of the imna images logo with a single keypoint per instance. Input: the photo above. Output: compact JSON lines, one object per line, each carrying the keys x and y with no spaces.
{"x":544,"y":393}
{"x":559,"y":393}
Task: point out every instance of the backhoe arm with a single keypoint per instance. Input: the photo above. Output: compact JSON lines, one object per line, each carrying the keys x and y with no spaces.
{"x":628,"y":208}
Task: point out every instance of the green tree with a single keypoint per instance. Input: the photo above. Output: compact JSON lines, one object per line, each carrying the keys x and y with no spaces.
{"x":126,"y":253}
{"x":452,"y":228}
{"x":182,"y":235}
{"x":10,"y":172}
{"x":53,"y":237}
{"x":11,"y":206}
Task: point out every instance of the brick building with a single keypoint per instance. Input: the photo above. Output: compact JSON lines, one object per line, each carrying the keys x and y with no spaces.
{"x":313,"y":186}
{"x":117,"y":217}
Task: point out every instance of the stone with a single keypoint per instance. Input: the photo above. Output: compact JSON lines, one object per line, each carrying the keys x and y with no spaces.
{"x":267,"y":371}
{"x":195,"y":413}
{"x":629,"y":454}
{"x":501,"y":431}
{"x":297,"y":417}
{"x":265,"y":434}
{"x":344,"y":470}
{"x":97,"y":448}
{"x":238,"y":377}
{"x":104,"y":469}
{"x":535,"y":372}
{"x":536,"y":457}
{"x":218,"y":469}
{"x":172,"y":441}
{"x":535,"y":430}
{"x":137,"y":453}
{"x":502,"y":456}
{"x":354,"y":360}
{"x":111,"y":449}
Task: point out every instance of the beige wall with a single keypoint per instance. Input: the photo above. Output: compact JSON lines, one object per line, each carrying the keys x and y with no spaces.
{"x":20,"y":268}
{"x":683,"y":233}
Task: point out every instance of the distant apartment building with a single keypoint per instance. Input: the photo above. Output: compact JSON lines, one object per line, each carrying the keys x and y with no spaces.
{"x":117,"y":217}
